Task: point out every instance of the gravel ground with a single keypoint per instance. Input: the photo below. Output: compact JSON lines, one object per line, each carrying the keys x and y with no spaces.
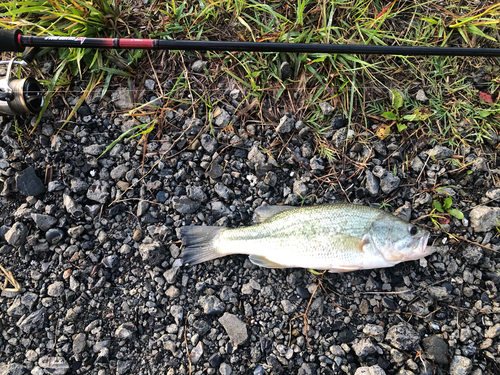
{"x":92,"y":242}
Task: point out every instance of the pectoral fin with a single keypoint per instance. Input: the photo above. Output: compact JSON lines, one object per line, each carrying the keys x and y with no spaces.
{"x":264,"y":262}
{"x":264,"y":213}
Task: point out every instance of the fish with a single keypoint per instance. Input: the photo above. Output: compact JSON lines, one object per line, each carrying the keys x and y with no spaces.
{"x":339,"y":237}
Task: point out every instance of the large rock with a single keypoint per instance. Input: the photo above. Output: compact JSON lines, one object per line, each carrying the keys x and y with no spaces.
{"x":403,"y":337}
{"x":121,"y":98}
{"x":460,"y":365}
{"x":13,"y":369}
{"x":484,"y":218}
{"x":54,"y":365}
{"x":16,"y":235}
{"x":28,"y":183}
{"x":152,"y":253}
{"x":388,"y":182}
{"x":33,"y":322}
{"x":436,"y":349}
{"x":235,"y":328}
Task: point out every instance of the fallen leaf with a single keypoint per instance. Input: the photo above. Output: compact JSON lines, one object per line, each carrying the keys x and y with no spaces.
{"x":384,"y":130}
{"x":485,"y":97}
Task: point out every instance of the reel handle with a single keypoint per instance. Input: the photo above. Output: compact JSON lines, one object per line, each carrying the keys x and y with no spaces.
{"x":10,"y":40}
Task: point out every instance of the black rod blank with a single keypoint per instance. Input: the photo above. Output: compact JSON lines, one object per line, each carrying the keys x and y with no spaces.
{"x":13,"y":40}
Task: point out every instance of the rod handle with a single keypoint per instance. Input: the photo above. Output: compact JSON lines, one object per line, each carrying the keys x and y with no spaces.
{"x":9,"y":40}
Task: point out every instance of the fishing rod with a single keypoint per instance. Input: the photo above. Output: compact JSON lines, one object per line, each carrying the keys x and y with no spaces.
{"x":20,"y":96}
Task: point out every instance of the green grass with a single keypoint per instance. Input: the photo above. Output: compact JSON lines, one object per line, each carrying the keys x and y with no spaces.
{"x":355,"y":85}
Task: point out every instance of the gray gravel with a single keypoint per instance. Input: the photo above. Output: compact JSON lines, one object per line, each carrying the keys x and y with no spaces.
{"x":94,"y":248}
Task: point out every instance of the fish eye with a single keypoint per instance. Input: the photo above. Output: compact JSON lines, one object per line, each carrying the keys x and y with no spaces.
{"x":413,"y":230}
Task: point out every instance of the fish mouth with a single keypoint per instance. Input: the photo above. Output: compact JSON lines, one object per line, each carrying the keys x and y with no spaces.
{"x":420,"y":248}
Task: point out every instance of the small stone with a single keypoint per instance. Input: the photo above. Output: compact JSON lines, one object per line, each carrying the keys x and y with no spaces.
{"x":225,"y":369}
{"x":198,"y":66}
{"x":28,"y":183}
{"x":439,"y":293}
{"x":404,"y":212}
{"x":326,"y":108}
{"x":460,"y":365}
{"x":345,"y":336}
{"x":436,"y":349}
{"x":121,"y":98}
{"x":56,"y":289}
{"x":17,"y":309}
{"x":13,"y":369}
{"x":388,"y":182}
{"x":417,"y":165}
{"x":288,"y":307}
{"x":421,"y":97}
{"x":372,"y":183}
{"x":439,"y":152}
{"x":223,"y":191}
{"x":196,"y":194}
{"x":172,"y":292}
{"x":185,"y":205}
{"x":16,"y":235}
{"x":125,"y":331}
{"x":142,"y":208}
{"x":211,"y":305}
{"x":403,"y":337}
{"x":94,"y":150}
{"x":119,"y":172}
{"x":54,"y":235}
{"x":374,"y":331}
{"x":479,"y":165}
{"x":286,"y":124}
{"x":111,"y":261}
{"x":300,"y":188}
{"x":286,"y":70}
{"x":98,"y":193}
{"x":317,"y":163}
{"x":338,"y":122}
{"x":54,"y":365}
{"x":339,"y":138}
{"x":138,"y":235}
{"x":44,"y":222}
{"x":493,"y":193}
{"x":123,"y":367}
{"x":79,"y":343}
{"x":209,"y":143}
{"x":235,"y":328}
{"x":196,"y":353}
{"x":33,"y":322}
{"x":75,"y":232}
{"x":493,"y":332}
{"x":363,"y":347}
{"x":372,"y":370}
{"x":152,"y":253}
{"x":223,"y":119}
{"x":72,"y":207}
{"x":484,"y":218}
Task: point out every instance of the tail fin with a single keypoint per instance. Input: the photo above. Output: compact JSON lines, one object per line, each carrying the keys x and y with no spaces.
{"x":199,"y":242}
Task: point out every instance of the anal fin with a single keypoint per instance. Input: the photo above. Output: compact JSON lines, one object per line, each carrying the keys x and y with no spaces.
{"x":264,"y":262}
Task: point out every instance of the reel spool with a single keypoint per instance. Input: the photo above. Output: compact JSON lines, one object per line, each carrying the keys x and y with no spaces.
{"x":19,"y":96}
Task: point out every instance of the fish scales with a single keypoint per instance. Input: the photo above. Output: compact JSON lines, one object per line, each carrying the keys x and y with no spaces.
{"x":337,"y":237}
{"x":301,"y":235}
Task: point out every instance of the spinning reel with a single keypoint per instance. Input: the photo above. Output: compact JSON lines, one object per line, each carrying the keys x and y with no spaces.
{"x":19,"y":96}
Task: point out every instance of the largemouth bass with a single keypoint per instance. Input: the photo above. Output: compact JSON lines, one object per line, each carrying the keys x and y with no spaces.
{"x":334,"y":237}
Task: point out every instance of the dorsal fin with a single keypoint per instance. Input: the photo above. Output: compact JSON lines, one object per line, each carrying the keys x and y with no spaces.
{"x":264,"y":213}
